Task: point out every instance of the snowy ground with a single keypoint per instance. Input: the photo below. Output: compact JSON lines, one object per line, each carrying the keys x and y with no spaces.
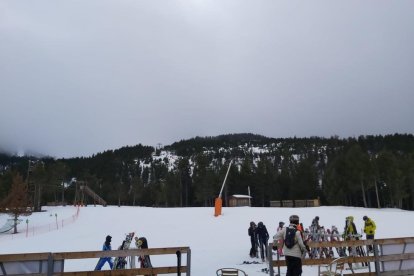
{"x":214,"y":241}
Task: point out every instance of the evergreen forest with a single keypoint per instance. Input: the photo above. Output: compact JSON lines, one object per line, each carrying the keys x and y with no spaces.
{"x":368,"y":171}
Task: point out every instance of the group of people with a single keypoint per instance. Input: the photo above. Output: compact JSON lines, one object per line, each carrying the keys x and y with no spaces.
{"x":294,"y":252}
{"x":144,"y":260}
{"x":258,"y":239}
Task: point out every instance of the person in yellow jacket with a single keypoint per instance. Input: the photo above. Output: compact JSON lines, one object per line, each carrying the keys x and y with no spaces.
{"x":369,"y":229}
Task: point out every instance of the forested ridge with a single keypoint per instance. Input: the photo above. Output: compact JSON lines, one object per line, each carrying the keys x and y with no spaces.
{"x":350,"y":172}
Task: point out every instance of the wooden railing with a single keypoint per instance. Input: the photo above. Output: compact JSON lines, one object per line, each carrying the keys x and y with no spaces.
{"x":391,"y":256}
{"x":53,"y":263}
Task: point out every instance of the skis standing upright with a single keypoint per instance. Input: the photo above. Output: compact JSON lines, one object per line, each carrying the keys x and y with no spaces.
{"x":120,"y":262}
{"x":324,"y":252}
{"x":335,"y":236}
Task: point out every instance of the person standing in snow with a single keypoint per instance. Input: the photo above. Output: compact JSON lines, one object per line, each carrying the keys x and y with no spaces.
{"x":315,"y":222}
{"x":350,"y":233}
{"x":280,"y":241}
{"x":106,"y":247}
{"x":262,"y":237}
{"x":145,"y":260}
{"x":350,"y":228}
{"x":253,"y":240}
{"x":369,"y":229}
{"x":294,"y":254}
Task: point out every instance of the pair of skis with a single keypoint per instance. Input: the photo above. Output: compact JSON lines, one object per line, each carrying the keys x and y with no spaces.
{"x":120,"y":262}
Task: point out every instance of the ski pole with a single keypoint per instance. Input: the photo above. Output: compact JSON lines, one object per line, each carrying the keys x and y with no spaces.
{"x":178,"y":262}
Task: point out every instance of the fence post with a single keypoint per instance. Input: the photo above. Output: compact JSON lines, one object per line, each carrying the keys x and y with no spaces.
{"x":270,"y":258}
{"x":377,"y":264}
{"x":188,"y":272}
{"x":178,"y":253}
{"x":50,"y":265}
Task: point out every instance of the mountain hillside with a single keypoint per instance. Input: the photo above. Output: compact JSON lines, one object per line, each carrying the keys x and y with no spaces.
{"x":365,"y":171}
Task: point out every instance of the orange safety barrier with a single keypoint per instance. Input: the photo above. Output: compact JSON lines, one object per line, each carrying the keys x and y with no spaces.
{"x":217,"y":206}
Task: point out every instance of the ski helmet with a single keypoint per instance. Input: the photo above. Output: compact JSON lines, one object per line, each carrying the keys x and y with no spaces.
{"x":108,"y":238}
{"x":317,"y":218}
{"x":294,"y":219}
{"x":252,"y":223}
{"x":365,"y":218}
{"x":260,"y":224}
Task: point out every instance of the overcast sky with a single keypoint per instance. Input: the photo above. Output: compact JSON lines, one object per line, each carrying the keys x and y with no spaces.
{"x":78,"y":77}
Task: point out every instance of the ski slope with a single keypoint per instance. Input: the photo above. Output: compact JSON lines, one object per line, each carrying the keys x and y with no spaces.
{"x":215,"y":242}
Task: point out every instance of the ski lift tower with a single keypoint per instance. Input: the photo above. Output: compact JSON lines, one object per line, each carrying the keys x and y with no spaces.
{"x":219,"y":202}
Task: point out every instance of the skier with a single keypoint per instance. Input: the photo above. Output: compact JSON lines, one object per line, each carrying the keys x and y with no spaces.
{"x":369,"y":230}
{"x":103,"y":260}
{"x":350,"y":233}
{"x":294,"y":254}
{"x":253,"y":240}
{"x":280,"y":242}
{"x":314,"y":232}
{"x":350,"y":228}
{"x":315,"y":223}
{"x":141,"y":243}
{"x":262,"y":237}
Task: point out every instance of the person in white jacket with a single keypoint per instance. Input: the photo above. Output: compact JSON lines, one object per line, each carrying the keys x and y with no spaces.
{"x":293,"y":255}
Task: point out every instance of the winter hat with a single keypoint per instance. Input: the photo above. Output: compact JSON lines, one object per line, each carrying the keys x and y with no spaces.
{"x":365,"y":218}
{"x":281,"y":223}
{"x":294,"y":219}
{"x":108,"y":238}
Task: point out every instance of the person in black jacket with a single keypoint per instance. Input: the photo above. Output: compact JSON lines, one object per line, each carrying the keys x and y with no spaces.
{"x":253,"y":239}
{"x":262,"y":237}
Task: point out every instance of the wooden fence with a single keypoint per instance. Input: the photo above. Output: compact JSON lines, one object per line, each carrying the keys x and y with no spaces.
{"x":391,"y":256}
{"x":53,"y":263}
{"x":295,"y":203}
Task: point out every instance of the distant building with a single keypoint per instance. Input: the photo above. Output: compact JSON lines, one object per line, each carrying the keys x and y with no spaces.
{"x":239,"y":200}
{"x":296,"y":203}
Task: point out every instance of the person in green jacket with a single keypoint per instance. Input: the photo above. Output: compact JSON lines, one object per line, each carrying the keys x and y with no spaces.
{"x":369,"y":229}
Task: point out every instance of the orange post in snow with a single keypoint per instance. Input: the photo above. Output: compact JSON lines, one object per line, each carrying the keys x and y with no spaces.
{"x":217,"y":206}
{"x":219,"y":202}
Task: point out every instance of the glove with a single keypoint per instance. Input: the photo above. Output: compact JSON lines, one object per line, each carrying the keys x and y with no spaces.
{"x":304,"y":254}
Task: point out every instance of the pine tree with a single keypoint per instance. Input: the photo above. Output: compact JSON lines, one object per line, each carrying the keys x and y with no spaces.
{"x":17,"y":202}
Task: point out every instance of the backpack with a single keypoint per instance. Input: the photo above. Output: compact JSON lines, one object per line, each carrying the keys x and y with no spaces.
{"x":290,"y":237}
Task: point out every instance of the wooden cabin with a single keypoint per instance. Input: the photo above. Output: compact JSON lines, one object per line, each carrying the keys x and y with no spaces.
{"x":239,"y":200}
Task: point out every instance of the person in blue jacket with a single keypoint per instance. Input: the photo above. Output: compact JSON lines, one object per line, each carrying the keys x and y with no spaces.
{"x":103,"y":260}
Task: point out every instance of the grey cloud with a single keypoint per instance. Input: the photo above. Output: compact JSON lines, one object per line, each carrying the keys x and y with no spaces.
{"x":81,"y":77}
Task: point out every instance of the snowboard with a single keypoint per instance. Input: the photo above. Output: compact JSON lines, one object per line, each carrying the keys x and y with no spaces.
{"x":120,"y":262}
